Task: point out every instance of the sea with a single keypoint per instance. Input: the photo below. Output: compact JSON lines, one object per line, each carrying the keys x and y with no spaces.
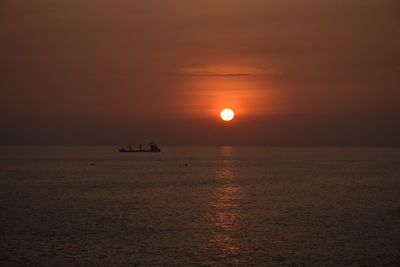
{"x":200,"y":206}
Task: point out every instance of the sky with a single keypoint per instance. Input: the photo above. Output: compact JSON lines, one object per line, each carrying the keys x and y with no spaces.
{"x":296,"y":73}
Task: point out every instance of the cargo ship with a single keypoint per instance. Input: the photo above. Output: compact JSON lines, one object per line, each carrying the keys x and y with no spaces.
{"x":153,"y":148}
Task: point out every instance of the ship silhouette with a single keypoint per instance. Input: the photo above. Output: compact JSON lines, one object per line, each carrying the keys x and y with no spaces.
{"x":152,"y":148}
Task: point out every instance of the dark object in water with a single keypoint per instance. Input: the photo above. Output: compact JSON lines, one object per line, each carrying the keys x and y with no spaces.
{"x":92,"y":164}
{"x":397,"y":211}
{"x":153,"y":148}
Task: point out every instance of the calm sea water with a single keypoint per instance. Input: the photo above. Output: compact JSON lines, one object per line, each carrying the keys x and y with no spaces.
{"x":228,"y":206}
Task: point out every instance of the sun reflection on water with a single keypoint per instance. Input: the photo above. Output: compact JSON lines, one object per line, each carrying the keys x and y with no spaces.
{"x":226,"y":210}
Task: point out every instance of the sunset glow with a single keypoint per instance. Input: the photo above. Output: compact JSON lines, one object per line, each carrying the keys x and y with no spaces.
{"x":290,"y":70}
{"x":227,"y":114}
{"x":200,"y":132}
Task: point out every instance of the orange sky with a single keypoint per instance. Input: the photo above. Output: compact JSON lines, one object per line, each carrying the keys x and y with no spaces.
{"x":304,"y":72}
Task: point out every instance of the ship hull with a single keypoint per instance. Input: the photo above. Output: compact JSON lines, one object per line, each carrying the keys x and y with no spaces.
{"x":152,"y":148}
{"x":125,"y":151}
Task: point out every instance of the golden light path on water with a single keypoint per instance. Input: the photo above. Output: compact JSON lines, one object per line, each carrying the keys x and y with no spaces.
{"x":226,"y":210}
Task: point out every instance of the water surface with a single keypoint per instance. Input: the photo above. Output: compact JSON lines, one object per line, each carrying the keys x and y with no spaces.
{"x":228,"y":206}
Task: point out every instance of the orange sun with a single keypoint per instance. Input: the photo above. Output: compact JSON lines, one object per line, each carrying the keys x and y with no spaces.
{"x":227,"y":114}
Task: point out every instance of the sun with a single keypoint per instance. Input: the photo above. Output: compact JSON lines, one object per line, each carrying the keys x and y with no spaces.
{"x":227,"y":114}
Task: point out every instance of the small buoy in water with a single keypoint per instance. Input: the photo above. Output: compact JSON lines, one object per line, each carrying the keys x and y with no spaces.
{"x":92,"y":164}
{"x":397,"y":212}
{"x":185,"y":164}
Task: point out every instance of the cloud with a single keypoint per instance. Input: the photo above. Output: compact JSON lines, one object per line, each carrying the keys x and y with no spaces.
{"x":227,"y":70}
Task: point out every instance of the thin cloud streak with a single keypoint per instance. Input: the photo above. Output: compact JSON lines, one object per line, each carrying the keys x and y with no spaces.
{"x":220,"y":74}
{"x":227,"y":70}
